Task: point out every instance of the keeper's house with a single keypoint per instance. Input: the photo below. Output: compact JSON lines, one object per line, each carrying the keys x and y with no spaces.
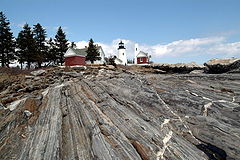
{"x":74,"y":56}
{"x":142,"y":58}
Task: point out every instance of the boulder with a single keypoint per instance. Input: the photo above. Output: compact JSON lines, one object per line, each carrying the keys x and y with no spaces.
{"x":222,"y":65}
{"x":158,"y":71}
{"x":177,"y":68}
{"x":111,"y":67}
{"x":37,"y":78}
{"x":197,"y":71}
{"x":38,"y":72}
{"x":27,"y":113}
{"x":78,"y":67}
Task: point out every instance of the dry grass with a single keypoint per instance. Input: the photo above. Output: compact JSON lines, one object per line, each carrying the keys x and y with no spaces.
{"x":10,"y":75}
{"x":14,"y":71}
{"x":5,"y":81}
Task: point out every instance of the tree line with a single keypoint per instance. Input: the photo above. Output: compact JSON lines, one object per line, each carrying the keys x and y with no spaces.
{"x":31,"y":45}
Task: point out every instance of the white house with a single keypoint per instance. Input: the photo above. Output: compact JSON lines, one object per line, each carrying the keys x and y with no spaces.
{"x":118,"y":61}
{"x":140,"y":57}
{"x":102,"y":56}
{"x":75,"y":56}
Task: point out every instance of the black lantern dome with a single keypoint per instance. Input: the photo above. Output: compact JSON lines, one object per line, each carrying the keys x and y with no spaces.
{"x":121,"y":45}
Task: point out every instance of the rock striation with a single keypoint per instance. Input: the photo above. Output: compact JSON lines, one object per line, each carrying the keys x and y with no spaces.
{"x":112,"y":113}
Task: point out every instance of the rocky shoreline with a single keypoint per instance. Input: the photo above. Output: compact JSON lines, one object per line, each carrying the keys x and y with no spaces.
{"x":214,"y":66}
{"x":102,"y":112}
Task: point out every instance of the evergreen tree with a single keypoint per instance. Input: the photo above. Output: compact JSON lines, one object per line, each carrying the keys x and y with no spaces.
{"x":73,"y":45}
{"x":92,"y":52}
{"x":111,"y":61}
{"x":26,"y":46}
{"x":40,"y":40}
{"x":52,"y":51}
{"x":7,"y":44}
{"x":62,"y":45}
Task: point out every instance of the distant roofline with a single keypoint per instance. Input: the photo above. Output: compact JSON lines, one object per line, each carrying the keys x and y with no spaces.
{"x":143,"y":54}
{"x":81,"y":52}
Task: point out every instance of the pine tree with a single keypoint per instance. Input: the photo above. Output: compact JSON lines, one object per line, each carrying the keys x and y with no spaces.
{"x":26,"y":46}
{"x":73,"y":45}
{"x":92,"y":52}
{"x":111,"y":61}
{"x":62,"y":45}
{"x":52,"y":51}
{"x":7,"y":44}
{"x":41,"y":48}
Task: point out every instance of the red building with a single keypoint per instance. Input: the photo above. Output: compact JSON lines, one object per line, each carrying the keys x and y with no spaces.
{"x":142,"y":58}
{"x":75,"y":57}
{"x":78,"y":57}
{"x":75,"y":60}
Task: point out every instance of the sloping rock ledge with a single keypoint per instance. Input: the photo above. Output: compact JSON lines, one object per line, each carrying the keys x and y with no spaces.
{"x":117,"y":114}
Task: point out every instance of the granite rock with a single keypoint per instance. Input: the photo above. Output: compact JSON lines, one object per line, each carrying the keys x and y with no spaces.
{"x":38,"y":72}
{"x":223,"y":65}
{"x":116,"y":114}
{"x":176,"y":68}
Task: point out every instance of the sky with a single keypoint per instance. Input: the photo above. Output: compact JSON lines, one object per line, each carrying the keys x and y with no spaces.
{"x":171,"y":31}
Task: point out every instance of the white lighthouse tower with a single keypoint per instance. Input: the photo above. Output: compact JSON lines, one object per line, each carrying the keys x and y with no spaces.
{"x":136,"y":51}
{"x":122,"y":53}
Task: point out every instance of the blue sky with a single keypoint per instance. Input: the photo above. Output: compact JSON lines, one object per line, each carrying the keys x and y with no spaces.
{"x":170,"y":30}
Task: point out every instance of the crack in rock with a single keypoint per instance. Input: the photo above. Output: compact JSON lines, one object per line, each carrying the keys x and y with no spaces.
{"x":166,"y":139}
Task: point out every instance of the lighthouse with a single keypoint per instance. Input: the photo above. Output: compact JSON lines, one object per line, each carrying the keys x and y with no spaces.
{"x":136,"y":51}
{"x":122,"y":53}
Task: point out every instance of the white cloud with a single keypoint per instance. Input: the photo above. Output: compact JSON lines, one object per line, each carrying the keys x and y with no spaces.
{"x":210,"y":47}
{"x":180,"y":47}
{"x":111,"y":49}
{"x":81,"y":44}
{"x":228,"y":49}
{"x":21,"y":24}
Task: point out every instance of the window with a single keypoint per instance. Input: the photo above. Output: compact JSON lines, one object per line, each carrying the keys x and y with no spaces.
{"x":141,"y":59}
{"x":123,"y":54}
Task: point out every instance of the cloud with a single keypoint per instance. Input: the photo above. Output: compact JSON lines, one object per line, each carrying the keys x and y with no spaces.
{"x":81,"y":44}
{"x":21,"y":24}
{"x":211,"y":47}
{"x":228,"y":49}
{"x":111,"y":48}
{"x":180,"y":47}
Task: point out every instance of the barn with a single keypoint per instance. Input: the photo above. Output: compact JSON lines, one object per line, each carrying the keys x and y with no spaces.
{"x":142,"y":58}
{"x":75,"y":57}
